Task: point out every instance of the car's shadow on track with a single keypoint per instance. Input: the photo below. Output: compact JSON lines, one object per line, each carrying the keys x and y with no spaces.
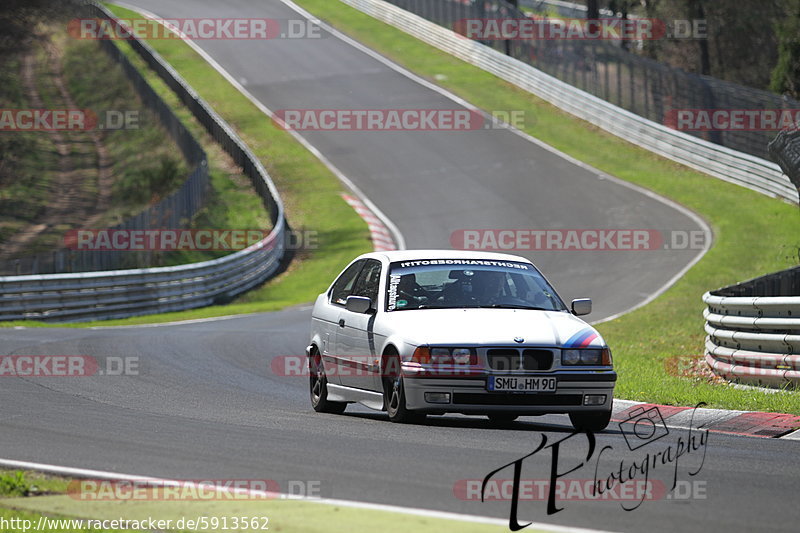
{"x":477,"y":422}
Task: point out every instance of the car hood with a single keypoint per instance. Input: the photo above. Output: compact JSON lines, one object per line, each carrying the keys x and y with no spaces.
{"x":491,"y":327}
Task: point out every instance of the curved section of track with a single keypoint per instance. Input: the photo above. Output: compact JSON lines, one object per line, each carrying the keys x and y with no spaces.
{"x":207,"y":403}
{"x":434,"y":183}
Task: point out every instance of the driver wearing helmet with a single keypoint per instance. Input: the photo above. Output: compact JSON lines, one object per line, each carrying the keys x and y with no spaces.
{"x":488,"y":286}
{"x":474,"y":287}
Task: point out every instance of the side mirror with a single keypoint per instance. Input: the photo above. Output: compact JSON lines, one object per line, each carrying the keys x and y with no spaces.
{"x":581,"y":306}
{"x":358,"y":304}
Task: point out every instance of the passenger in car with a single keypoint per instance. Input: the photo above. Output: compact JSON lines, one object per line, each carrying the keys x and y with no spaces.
{"x":409,"y":289}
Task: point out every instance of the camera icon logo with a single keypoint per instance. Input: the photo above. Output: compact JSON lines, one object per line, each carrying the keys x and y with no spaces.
{"x":642,"y":427}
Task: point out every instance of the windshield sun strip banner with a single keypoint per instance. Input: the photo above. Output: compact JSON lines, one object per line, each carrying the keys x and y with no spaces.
{"x":461,"y":262}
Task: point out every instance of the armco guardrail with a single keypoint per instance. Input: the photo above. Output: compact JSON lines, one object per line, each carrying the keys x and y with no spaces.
{"x":171,"y":212}
{"x":124,"y":293}
{"x":736,"y":167}
{"x":754,"y":330}
{"x":564,"y":9}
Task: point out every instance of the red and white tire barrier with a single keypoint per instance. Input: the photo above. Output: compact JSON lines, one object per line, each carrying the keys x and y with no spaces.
{"x":382,"y":239}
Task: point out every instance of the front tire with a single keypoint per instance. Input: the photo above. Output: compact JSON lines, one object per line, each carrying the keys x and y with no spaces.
{"x":590,"y":421}
{"x":396,"y":404}
{"x":318,"y":387}
{"x":394,"y":391}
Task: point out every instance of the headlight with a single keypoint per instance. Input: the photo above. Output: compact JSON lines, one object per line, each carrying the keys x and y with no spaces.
{"x":440,"y":356}
{"x":570,"y":357}
{"x":462,"y":356}
{"x":449,"y":356}
{"x":592,"y":357}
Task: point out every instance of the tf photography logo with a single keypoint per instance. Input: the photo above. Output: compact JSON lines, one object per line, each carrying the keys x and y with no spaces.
{"x":649,"y":450}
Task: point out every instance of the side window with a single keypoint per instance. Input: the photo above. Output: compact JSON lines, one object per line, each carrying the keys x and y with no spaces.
{"x":369,"y":280}
{"x":344,"y":285}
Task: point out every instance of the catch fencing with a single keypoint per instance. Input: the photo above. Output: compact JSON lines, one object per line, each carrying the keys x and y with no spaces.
{"x":603,"y":68}
{"x":175,"y":211}
{"x":122,"y":293}
{"x":736,"y":166}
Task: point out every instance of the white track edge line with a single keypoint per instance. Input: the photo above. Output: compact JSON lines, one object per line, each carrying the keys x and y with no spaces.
{"x":399,"y":239}
{"x":447,"y":94}
{"x":428,"y":513}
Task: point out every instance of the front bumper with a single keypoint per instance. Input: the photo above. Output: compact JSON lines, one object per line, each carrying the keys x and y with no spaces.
{"x":469,"y":395}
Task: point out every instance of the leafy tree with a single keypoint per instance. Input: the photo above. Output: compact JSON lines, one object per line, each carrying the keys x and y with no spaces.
{"x":786,"y":74}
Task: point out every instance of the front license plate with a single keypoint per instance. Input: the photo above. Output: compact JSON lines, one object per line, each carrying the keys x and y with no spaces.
{"x":520,"y":384}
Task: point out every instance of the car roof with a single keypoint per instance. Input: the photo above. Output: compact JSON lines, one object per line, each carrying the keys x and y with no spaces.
{"x":410,"y":255}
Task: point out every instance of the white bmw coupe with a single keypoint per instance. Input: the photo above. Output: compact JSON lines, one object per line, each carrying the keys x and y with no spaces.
{"x":421,"y":332}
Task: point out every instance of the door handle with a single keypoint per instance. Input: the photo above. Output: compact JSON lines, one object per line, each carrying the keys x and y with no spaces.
{"x":341,"y":322}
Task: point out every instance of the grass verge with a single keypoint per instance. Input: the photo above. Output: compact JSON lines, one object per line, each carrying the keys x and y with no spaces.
{"x":311,"y":194}
{"x":60,"y":172}
{"x":216,"y":515}
{"x":754,"y":234}
{"x":759,"y":235}
{"x":150,"y":169}
{"x":143,"y":162}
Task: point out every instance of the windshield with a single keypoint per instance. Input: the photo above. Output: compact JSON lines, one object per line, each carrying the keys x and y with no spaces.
{"x":459,"y":283}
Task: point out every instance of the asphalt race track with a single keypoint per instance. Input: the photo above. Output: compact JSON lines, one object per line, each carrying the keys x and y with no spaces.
{"x":207,"y":402}
{"x":430,"y":183}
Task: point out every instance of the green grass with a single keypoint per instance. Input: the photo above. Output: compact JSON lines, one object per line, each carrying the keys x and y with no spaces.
{"x":26,"y":160}
{"x":754,"y":234}
{"x":14,"y":484}
{"x":282,"y":515}
{"x":147,"y":164}
{"x":233,"y":202}
{"x":759,"y":235}
{"x":28,"y":177}
{"x":310,"y":192}
{"x":21,"y":486}
{"x":17,"y":483}
{"x":153,"y":171}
